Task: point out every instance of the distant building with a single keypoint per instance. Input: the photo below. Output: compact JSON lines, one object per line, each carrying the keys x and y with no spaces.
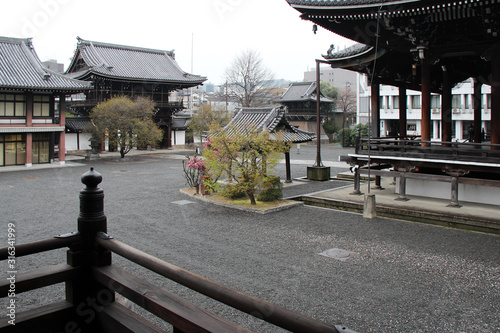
{"x":32,"y":106}
{"x":300,"y":102}
{"x":53,"y":65}
{"x":133,"y":71}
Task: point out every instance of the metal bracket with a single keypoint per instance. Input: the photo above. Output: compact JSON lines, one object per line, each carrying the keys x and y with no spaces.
{"x":69,"y":234}
{"x":104,"y":235}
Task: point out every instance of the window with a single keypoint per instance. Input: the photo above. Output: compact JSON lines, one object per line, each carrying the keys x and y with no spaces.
{"x":12,"y":105}
{"x":456,"y":102}
{"x":41,"y":106}
{"x":435,"y":102}
{"x":41,"y":143}
{"x":13,"y":149}
{"x":488,"y":101}
{"x":415,"y":102}
{"x":381,"y":101}
{"x":395,"y":102}
{"x":411,"y":127}
{"x":466,"y":102}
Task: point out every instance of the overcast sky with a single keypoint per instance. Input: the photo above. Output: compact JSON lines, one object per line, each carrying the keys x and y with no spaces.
{"x":218,"y":30}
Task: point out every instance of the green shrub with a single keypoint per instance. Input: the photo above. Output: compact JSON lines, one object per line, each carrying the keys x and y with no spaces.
{"x":233,"y":192}
{"x":272,"y":189}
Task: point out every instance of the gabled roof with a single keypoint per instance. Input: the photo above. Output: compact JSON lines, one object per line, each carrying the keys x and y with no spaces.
{"x":301,"y":92}
{"x":179,"y":123}
{"x":271,"y":119}
{"x":21,"y":69}
{"x":77,"y":124}
{"x":128,"y":62}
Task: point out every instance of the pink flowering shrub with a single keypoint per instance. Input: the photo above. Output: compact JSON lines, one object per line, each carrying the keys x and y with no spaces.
{"x":194,"y":168}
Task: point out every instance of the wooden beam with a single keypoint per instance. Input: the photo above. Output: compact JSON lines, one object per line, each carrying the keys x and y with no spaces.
{"x":42,"y":277}
{"x":118,"y":319}
{"x":48,"y":318}
{"x":41,"y":246}
{"x":183,"y":315}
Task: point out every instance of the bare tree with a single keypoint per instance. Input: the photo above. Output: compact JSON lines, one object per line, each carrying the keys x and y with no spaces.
{"x":247,"y":77}
{"x":346,"y":101}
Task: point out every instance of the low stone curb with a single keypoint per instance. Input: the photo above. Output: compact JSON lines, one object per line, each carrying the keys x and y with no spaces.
{"x":246,"y":209}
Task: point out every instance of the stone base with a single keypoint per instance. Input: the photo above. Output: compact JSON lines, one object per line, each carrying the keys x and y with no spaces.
{"x":318,"y":173}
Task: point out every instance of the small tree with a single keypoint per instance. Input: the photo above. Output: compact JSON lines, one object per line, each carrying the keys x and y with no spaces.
{"x":207,"y":117}
{"x":128,"y":123}
{"x":246,"y":156}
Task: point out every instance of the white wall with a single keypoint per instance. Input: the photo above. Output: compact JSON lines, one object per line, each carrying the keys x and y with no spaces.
{"x":72,"y":141}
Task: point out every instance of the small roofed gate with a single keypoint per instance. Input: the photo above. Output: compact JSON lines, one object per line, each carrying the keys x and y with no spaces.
{"x":271,"y":119}
{"x":92,"y":282}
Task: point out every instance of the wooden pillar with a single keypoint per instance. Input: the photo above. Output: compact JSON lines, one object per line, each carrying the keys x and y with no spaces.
{"x":29,"y":150}
{"x":29,"y":136}
{"x":495,"y":98}
{"x":91,"y":222}
{"x":446,"y":123}
{"x":375,"y":110}
{"x":62,"y":135}
{"x":476,"y":104}
{"x":426,"y":102}
{"x":287,"y":166}
{"x":402,"y":111}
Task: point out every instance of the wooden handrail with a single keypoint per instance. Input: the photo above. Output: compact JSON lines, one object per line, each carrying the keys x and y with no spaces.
{"x":183,"y":315}
{"x":49,"y":244}
{"x":42,"y":277}
{"x":254,"y":306}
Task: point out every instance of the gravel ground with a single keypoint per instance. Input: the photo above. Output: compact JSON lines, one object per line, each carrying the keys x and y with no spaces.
{"x":401,"y":276}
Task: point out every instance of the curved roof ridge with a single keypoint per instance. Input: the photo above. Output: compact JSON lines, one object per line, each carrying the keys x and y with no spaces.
{"x":170,"y":53}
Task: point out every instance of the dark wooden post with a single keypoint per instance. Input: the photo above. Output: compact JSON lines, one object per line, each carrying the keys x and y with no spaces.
{"x":426,"y":102}
{"x":375,"y":111}
{"x":495,"y":97}
{"x":402,"y":111}
{"x":476,"y":104}
{"x":446,"y":123}
{"x":287,"y":166}
{"x":86,"y":294}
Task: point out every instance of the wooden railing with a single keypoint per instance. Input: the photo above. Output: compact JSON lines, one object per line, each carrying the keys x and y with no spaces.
{"x":92,"y":281}
{"x":414,"y":147}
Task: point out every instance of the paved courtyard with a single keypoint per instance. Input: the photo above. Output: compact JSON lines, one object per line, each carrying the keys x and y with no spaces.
{"x":398,"y":276}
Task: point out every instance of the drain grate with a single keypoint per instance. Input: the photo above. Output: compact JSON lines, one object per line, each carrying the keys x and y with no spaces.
{"x":338,"y":254}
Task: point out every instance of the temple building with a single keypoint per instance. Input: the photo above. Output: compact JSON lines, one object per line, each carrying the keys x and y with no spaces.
{"x":300,"y":102}
{"x":32,"y":106}
{"x":429,"y":46}
{"x":132,"y":71}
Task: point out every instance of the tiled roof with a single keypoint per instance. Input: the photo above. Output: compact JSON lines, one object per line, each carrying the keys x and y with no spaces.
{"x":77,"y":124}
{"x":180,"y":123}
{"x":20,"y":68}
{"x":340,"y":3}
{"x":302,"y":91}
{"x":271,"y":119}
{"x":354,"y":50}
{"x":128,"y":62}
